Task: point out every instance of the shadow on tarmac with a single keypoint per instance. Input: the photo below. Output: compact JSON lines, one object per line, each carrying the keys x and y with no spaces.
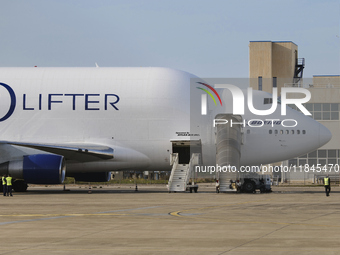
{"x":131,"y":190}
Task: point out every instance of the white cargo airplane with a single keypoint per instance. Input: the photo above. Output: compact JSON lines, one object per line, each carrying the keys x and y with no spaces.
{"x":86,"y":122}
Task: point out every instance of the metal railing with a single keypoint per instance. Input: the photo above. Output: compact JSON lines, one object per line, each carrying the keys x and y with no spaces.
{"x":300,"y":61}
{"x":295,"y":85}
{"x":188,"y":170}
{"x":174,"y":163}
{"x":317,"y":86}
{"x":322,"y":86}
{"x":193,"y":161}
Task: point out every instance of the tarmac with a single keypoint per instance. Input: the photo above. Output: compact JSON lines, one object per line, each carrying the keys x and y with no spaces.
{"x":117,"y":220}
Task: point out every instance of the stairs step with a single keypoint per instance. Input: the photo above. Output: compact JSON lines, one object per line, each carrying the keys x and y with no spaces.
{"x":178,"y":178}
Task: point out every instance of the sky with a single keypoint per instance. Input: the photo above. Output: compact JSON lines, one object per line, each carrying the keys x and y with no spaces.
{"x":208,"y":38}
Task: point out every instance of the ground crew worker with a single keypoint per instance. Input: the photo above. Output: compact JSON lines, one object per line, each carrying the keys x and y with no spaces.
{"x":327,"y":183}
{"x":217,"y":187}
{"x":4,"y":184}
{"x":9,"y":185}
{"x":238,"y":186}
{"x":262,"y":186}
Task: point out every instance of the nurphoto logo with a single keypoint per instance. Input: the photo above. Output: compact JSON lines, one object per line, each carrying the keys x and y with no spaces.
{"x":238,"y":100}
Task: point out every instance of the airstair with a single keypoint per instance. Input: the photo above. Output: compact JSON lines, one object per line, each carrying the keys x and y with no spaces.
{"x":228,"y":150}
{"x":181,"y":173}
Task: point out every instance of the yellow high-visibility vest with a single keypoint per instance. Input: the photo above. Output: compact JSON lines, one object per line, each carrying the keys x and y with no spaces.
{"x":3,"y":181}
{"x":9,"y":181}
{"x":326,"y":180}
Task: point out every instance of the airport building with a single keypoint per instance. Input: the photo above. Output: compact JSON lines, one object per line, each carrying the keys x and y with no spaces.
{"x":276,"y":64}
{"x":273,"y":64}
{"x":324,"y":107}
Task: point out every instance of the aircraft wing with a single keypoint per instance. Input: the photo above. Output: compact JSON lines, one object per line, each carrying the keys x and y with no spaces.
{"x":77,"y":152}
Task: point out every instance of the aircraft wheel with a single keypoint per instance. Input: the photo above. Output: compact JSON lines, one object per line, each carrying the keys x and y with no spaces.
{"x":249,"y":187}
{"x":19,"y":186}
{"x":195,"y":189}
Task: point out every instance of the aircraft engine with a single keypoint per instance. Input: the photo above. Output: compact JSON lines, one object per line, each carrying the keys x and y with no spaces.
{"x":39,"y":169}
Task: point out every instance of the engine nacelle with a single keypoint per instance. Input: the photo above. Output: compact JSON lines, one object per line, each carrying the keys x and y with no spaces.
{"x":39,"y":169}
{"x":93,"y":177}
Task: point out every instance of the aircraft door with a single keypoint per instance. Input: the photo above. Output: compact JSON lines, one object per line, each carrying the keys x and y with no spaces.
{"x":185,"y":149}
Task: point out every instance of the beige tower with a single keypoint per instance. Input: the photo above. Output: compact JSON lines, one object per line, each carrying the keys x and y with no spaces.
{"x":273,"y":64}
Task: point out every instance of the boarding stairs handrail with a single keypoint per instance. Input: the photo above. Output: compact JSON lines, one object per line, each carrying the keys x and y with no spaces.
{"x":174,"y":163}
{"x":193,"y":162}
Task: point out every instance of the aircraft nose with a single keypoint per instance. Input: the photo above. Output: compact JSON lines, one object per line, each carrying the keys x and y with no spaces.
{"x":324,"y":135}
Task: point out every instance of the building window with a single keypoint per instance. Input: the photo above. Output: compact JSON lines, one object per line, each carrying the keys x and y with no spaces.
{"x":332,"y":153}
{"x":302,"y":162}
{"x":332,"y":161}
{"x":323,"y":157}
{"x":312,"y":162}
{"x":322,"y":153}
{"x":267,"y":100}
{"x":260,"y":82}
{"x":322,"y":162}
{"x":312,"y":154}
{"x":274,"y":82}
{"x":321,"y":111}
{"x":292,"y":162}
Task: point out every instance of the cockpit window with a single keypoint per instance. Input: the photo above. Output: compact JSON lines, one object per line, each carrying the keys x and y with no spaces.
{"x":268,"y":101}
